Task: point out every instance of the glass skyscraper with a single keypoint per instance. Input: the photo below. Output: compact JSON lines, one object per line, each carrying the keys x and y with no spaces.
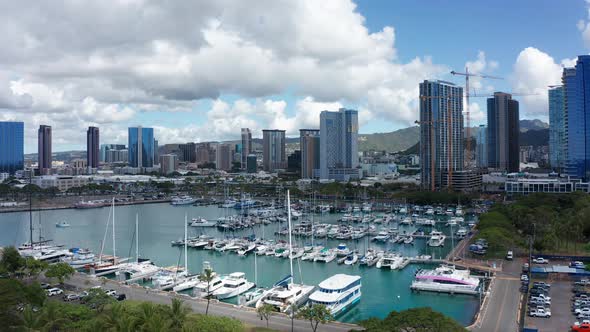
{"x":141,"y":147}
{"x":481,"y":148}
{"x":557,"y":143}
{"x":11,"y":146}
{"x":576,"y":87}
{"x":339,"y":145}
{"x":273,"y":150}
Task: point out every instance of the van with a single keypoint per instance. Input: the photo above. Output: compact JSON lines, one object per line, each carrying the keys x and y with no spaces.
{"x":509,"y":255}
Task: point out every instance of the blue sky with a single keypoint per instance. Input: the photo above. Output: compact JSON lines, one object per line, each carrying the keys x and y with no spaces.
{"x":201,"y":70}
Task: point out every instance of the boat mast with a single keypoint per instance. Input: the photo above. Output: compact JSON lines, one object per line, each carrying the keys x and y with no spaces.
{"x":185,"y":244}
{"x":290,"y":243}
{"x":136,"y":238}
{"x":31,"y":208}
{"x":255,"y":269}
{"x":114,"y":246}
{"x":311,"y":212}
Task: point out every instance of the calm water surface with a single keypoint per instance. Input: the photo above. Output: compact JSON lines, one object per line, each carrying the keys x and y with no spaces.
{"x":383,"y":290}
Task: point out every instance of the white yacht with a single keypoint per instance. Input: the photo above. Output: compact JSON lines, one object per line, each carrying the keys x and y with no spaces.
{"x":461,"y":232}
{"x":391,"y":261}
{"x":234,"y":285}
{"x":437,"y":239}
{"x":337,"y":293}
{"x":184,"y":200}
{"x":284,"y":294}
{"x":459,"y":211}
{"x":326,"y":256}
{"x":204,"y":289}
{"x":135,"y":271}
{"x":202,"y":222}
{"x":446,"y":279}
{"x":342,"y":250}
{"x":62,"y":224}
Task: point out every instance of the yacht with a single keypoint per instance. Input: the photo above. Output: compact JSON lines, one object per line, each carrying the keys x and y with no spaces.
{"x":459,"y":211}
{"x":202,"y":222}
{"x":437,"y":239}
{"x":406,"y":221}
{"x":370,"y":258}
{"x":90,"y":204}
{"x":342,"y":250}
{"x":62,"y":224}
{"x":461,"y":232}
{"x":429,"y":211}
{"x":338,"y":293}
{"x":246,"y":249}
{"x":204,"y":289}
{"x":136,"y":271}
{"x":284,"y":294}
{"x":326,"y":256}
{"x":446,"y":279}
{"x":184,"y":200}
{"x":229,"y":203}
{"x":167,"y":278}
{"x":382,"y":236}
{"x":351,"y":259}
{"x":234,"y":285}
{"x":251,"y":297}
{"x":391,"y":261}
{"x":79,"y":258}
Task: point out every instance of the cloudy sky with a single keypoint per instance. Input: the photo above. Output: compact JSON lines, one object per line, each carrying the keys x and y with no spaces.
{"x":200,"y":70}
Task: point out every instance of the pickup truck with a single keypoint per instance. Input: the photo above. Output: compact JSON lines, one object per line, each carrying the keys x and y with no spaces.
{"x":540,"y":313}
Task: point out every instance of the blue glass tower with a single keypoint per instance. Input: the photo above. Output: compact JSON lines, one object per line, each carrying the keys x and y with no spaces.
{"x":141,"y":147}
{"x":557,"y":146}
{"x":11,"y":146}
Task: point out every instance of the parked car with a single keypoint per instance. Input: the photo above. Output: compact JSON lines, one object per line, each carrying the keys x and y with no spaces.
{"x":45,"y":286}
{"x":583,"y":326}
{"x":121,"y":297}
{"x":71,"y":297}
{"x":577,"y":265}
{"x":509,"y":255}
{"x":524,"y":277}
{"x":582,"y":311}
{"x":541,"y":284}
{"x":525,"y":267}
{"x":540,"y":313}
{"x":111,"y":292}
{"x":540,"y":260}
{"x":54,"y":291}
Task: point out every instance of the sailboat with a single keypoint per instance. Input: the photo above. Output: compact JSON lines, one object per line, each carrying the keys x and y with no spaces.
{"x":252,"y":296}
{"x":285,"y":294}
{"x":167,"y":278}
{"x":140,"y":269}
{"x":187,"y":281}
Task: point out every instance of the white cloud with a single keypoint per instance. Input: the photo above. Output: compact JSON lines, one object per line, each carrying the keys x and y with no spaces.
{"x":103,"y":62}
{"x":584,"y":27}
{"x":534,"y":70}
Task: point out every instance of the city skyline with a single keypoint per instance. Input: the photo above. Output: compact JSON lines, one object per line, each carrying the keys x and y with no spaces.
{"x":182,"y":108}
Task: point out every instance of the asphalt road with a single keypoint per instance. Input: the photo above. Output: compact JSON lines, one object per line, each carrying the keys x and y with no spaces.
{"x":249,"y":316}
{"x":500,"y":313}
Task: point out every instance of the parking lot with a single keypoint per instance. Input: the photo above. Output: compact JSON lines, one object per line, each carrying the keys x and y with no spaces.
{"x":561,"y":310}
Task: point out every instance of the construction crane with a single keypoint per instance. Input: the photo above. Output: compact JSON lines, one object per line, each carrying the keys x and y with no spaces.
{"x":467,"y":74}
{"x":449,"y":141}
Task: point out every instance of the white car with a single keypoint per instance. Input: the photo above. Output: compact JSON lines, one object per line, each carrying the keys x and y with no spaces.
{"x":540,"y":260}
{"x":111,"y":292}
{"x":585,"y":311}
{"x":54,"y":291}
{"x":71,"y":297}
{"x":524,"y":277}
{"x":540,"y":313}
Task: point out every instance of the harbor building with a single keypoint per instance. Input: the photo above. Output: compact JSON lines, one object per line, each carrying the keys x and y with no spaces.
{"x":441,"y":132}
{"x":273,"y":150}
{"x":141,"y":147}
{"x":11,"y":146}
{"x":339,"y":145}
{"x":44,"y":149}
{"x":503,"y":133}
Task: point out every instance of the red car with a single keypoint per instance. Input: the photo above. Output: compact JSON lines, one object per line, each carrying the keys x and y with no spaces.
{"x":581,"y":327}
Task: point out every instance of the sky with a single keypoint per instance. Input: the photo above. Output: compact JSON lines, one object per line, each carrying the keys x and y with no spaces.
{"x":201,"y":70}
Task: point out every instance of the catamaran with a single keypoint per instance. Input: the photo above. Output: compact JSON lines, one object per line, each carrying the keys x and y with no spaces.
{"x":140,"y":269}
{"x":446,"y":279}
{"x":234,"y":285}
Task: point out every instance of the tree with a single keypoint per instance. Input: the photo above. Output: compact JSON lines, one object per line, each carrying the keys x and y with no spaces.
{"x":315,"y":314}
{"x":61,"y":271}
{"x":265,"y":312}
{"x":177,"y":313}
{"x":207,"y":276}
{"x":416,"y":319}
{"x":12,"y":262}
{"x":98,"y":299}
{"x":34,"y":267}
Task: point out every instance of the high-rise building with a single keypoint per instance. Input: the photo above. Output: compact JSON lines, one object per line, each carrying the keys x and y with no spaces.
{"x":141,"y":147}
{"x":224,"y":157}
{"x":117,"y":156}
{"x":481,"y":148}
{"x":92,"y":144}
{"x":557,"y":113}
{"x":156,"y":151}
{"x":11,"y":146}
{"x":503,"y":133}
{"x":44,"y":149}
{"x":294,"y":162}
{"x":104,"y":148}
{"x":339,"y":145}
{"x":246,"y":146}
{"x":251,"y":164}
{"x":309,"y":144}
{"x":576,"y":82}
{"x":188,"y":152}
{"x":441,"y":132}
{"x":273,"y":150}
{"x":168,"y":163}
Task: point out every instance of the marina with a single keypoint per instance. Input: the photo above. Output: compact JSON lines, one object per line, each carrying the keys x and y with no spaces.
{"x":160,"y":225}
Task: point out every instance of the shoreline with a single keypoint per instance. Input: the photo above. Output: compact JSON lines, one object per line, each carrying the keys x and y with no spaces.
{"x":72,"y":206}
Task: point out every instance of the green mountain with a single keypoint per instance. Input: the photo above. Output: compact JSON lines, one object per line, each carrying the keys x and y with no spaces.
{"x":398,"y":140}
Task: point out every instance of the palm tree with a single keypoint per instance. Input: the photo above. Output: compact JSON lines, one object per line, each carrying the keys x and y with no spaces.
{"x":207,"y":276}
{"x":157,"y":323}
{"x":31,"y":321}
{"x":50,"y":317}
{"x":265,"y":311}
{"x":146,"y":311}
{"x":177,"y":313}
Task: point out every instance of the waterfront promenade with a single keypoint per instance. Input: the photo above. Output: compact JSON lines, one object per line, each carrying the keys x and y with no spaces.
{"x":279,"y":322}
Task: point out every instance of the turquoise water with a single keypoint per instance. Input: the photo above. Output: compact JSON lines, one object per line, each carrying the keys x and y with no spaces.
{"x":383,"y":290}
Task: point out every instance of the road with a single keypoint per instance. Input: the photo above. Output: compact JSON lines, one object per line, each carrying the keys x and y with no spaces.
{"x":500,"y":313}
{"x":248,"y":316}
